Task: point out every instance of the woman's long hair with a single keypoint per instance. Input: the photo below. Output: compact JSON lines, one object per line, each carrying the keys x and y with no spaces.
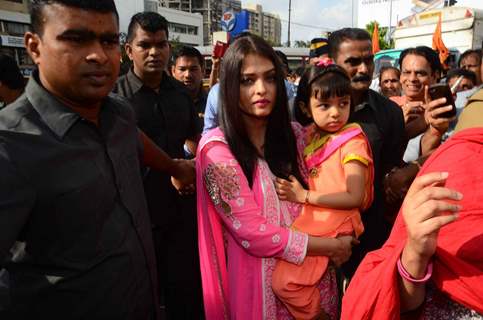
{"x":280,"y":149}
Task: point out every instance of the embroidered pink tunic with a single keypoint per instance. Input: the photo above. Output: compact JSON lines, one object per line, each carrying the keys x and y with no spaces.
{"x":241,"y":232}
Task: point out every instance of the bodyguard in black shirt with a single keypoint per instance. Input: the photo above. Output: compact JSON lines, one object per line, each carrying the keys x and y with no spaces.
{"x":165,"y":112}
{"x":70,"y":187}
{"x":381,"y":120}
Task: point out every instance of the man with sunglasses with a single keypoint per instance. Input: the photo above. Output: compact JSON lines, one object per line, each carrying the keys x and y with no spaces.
{"x":381,"y":120}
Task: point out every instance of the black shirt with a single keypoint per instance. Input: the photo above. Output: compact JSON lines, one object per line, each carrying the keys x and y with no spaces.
{"x":72,"y":193}
{"x":200,"y":105}
{"x":383,"y":123}
{"x":168,"y":117}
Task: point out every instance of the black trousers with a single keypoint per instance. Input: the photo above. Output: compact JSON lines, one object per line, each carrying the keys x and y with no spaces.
{"x":176,"y":245}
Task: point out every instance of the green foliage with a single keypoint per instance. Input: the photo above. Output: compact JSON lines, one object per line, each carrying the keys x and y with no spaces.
{"x":301,"y":44}
{"x":383,"y":44}
{"x":175,"y":44}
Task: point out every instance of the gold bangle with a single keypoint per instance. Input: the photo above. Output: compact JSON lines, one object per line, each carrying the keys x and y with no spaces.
{"x":307,"y":197}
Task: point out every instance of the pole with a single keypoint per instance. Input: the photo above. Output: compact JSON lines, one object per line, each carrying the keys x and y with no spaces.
{"x":352,"y":13}
{"x":289,"y":14}
{"x":390,"y":19}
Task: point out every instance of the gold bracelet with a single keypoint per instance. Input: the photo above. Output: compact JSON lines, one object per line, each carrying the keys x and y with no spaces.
{"x":307,"y":197}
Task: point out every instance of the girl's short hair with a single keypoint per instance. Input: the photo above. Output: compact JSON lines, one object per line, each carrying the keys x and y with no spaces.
{"x":321,"y":82}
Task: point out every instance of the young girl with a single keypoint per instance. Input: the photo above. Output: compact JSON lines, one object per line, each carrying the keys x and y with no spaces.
{"x":338,"y":158}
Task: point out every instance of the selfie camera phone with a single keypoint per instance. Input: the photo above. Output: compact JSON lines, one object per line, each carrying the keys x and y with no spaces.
{"x":442,"y":90}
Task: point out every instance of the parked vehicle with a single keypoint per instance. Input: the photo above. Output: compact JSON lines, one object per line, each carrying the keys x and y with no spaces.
{"x":462,"y":28}
{"x":391,"y":58}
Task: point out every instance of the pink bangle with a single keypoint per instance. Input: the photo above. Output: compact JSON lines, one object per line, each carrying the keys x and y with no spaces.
{"x":406,"y":276}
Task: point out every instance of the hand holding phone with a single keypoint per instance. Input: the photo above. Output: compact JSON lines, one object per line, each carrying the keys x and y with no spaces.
{"x":442,"y":90}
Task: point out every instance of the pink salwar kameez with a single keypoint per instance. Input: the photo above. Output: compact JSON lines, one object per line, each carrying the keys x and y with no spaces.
{"x":241,"y":232}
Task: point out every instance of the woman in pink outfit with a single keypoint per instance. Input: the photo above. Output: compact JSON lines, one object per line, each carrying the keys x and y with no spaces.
{"x":243,"y":226}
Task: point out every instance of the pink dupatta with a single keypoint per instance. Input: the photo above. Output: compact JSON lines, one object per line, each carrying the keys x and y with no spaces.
{"x":211,"y":247}
{"x":284,"y":243}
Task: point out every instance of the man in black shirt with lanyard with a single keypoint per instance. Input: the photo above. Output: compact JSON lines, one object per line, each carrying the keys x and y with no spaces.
{"x":381,"y":120}
{"x":165,"y":112}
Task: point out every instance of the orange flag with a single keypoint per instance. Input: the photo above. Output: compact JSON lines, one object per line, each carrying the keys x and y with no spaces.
{"x":438,"y":44}
{"x":375,"y":39}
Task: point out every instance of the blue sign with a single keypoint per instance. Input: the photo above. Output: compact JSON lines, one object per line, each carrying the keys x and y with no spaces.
{"x":241,"y":23}
{"x":228,"y":21}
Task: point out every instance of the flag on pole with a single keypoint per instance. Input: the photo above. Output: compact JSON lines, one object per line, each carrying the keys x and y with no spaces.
{"x":438,"y":44}
{"x":375,"y":39}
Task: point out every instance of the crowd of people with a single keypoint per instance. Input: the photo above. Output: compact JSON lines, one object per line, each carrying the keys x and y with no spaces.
{"x":272,"y":195}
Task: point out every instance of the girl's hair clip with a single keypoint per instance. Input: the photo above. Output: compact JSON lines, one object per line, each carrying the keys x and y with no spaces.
{"x":325,"y":62}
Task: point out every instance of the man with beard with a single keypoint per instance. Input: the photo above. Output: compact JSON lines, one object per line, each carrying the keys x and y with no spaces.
{"x":381,"y":120}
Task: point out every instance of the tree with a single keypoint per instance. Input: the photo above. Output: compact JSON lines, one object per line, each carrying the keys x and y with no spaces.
{"x":175,"y":44}
{"x":301,"y":44}
{"x":383,"y":44}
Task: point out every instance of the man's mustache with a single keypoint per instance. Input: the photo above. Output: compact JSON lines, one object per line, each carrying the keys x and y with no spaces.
{"x":361,"y":78}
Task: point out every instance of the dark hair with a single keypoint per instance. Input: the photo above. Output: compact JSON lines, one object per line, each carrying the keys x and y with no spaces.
{"x":148,"y":21}
{"x":10,"y":74}
{"x":188,"y":51}
{"x":387,"y":68}
{"x":341,"y":35}
{"x":454,"y":73}
{"x":467,"y":53}
{"x":299,"y":71}
{"x":280,"y":146}
{"x":427,"y":53}
{"x":37,"y":6}
{"x":283,"y":58}
{"x":321,"y":83}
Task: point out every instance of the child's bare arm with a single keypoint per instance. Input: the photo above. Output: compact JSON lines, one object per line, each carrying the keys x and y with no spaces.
{"x":353,"y":197}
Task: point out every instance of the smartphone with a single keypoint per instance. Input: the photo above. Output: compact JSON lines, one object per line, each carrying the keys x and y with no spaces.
{"x":442,"y":90}
{"x":219,"y":49}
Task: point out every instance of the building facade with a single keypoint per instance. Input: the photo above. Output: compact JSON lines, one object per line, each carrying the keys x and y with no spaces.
{"x":183,"y":5}
{"x":211,"y":11}
{"x":265,"y":24}
{"x":185,"y":27}
{"x":14,"y":22}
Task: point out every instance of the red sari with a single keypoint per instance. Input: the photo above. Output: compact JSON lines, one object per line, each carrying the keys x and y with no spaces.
{"x":458,"y":262}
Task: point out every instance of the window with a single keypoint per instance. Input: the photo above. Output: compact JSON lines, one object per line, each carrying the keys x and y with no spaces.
{"x":23,"y":57}
{"x":183,"y":28}
{"x":15,"y":28}
{"x":192,"y":30}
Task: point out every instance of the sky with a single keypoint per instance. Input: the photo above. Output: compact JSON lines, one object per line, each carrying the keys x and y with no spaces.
{"x":309,"y":17}
{"x":312,"y":17}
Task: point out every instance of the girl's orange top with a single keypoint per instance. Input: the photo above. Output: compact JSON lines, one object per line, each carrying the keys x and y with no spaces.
{"x":325,"y":157}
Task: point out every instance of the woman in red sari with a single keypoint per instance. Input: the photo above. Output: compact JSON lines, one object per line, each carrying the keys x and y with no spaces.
{"x":431,"y":267}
